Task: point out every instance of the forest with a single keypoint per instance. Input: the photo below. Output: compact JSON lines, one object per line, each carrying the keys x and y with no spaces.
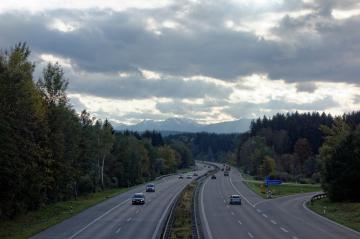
{"x":50,"y":153}
{"x":306,"y":148}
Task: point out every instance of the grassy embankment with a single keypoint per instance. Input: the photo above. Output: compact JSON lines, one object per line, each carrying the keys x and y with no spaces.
{"x":284,"y":189}
{"x":346,"y":213}
{"x":33,"y":222}
{"x":182,"y":224}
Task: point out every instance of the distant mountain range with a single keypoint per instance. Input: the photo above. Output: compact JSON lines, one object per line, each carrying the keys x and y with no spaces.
{"x":187,"y":125}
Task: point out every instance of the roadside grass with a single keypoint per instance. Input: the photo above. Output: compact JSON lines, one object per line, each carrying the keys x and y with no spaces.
{"x":284,"y":189}
{"x":182,"y":224}
{"x":32,"y":223}
{"x":346,"y":213}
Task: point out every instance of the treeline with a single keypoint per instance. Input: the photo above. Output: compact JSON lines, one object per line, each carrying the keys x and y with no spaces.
{"x":49,"y":153}
{"x":307,"y":148}
{"x":210,"y":146}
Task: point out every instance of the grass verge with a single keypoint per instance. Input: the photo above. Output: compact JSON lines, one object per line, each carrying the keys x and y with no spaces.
{"x":346,"y":213}
{"x":283,"y":189}
{"x":33,"y":222}
{"x":182,"y":224}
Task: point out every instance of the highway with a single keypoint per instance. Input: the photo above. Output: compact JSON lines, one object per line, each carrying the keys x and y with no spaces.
{"x":280,"y":218}
{"x":117,"y":218}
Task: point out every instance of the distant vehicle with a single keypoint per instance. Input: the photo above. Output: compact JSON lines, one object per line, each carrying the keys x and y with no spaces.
{"x":150,"y":187}
{"x":138,"y":198}
{"x":222,"y":169}
{"x":188,"y":176}
{"x":195,"y":174}
{"x":235,"y":199}
{"x":213,"y":176}
{"x":181,"y":176}
{"x":226,"y":173}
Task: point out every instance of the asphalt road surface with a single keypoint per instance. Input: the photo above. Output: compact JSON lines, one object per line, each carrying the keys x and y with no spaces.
{"x":117,"y":218}
{"x":285,"y":217}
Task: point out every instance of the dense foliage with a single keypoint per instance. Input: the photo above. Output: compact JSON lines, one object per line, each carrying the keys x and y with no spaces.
{"x":287,"y":146}
{"x":50,"y":153}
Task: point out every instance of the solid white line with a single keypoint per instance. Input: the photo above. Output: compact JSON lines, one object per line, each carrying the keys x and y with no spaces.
{"x":163,"y":216}
{"x":97,"y":219}
{"x":264,"y":215}
{"x":118,"y":230}
{"x":129,"y":219}
{"x":241,"y":193}
{"x":283,"y":229}
{"x":208,"y":231}
{"x":250,"y":235}
{"x":328,"y":220}
{"x":273,"y":222}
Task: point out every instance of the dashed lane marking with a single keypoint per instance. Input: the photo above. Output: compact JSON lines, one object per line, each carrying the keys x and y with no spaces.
{"x":250,"y":235}
{"x":273,"y":222}
{"x":118,"y":230}
{"x":283,"y":229}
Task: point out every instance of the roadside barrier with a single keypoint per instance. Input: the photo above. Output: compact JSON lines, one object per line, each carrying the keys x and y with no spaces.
{"x":317,"y":197}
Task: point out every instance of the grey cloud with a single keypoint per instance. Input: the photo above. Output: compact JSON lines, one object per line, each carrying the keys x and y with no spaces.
{"x":136,"y":87}
{"x":247,"y":109}
{"x":309,"y":87}
{"x":118,"y":41}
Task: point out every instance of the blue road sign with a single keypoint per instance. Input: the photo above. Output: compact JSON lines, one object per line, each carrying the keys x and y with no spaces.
{"x":272,"y":181}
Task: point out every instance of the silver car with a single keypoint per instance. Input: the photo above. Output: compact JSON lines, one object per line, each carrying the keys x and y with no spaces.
{"x":235,"y":200}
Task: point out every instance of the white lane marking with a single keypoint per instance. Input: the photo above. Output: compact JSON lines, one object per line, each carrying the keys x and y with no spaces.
{"x":97,"y":219}
{"x":258,"y":210}
{"x":224,"y":201}
{"x":163,"y":215}
{"x":118,"y":230}
{"x":241,"y":193}
{"x":240,"y":222}
{"x":208,"y":231}
{"x":328,"y":220}
{"x":129,"y":219}
{"x":137,"y":211}
{"x":294,"y":237}
{"x":273,"y":222}
{"x":232,"y":213}
{"x":250,"y":235}
{"x":264,"y":215}
{"x":283,"y":229}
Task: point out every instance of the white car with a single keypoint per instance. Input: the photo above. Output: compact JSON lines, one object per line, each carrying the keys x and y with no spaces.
{"x":188,"y":176}
{"x":235,"y":199}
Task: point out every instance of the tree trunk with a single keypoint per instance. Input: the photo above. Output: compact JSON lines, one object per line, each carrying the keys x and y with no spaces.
{"x":102,"y":172}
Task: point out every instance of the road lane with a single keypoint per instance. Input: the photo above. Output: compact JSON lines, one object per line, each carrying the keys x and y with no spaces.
{"x":117,"y":218}
{"x":259,"y":218}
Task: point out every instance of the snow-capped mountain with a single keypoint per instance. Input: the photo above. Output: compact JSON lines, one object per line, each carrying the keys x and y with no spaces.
{"x":188,"y":125}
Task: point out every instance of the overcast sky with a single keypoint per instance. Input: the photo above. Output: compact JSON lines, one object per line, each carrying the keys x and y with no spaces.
{"x":209,"y":61}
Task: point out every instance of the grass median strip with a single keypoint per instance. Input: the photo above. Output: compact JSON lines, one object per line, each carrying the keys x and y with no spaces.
{"x":33,"y":222}
{"x":182,"y":223}
{"x":283,"y":189}
{"x":345,"y":213}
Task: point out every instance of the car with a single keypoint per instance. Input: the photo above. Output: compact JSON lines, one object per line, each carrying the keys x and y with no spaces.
{"x":195,"y":174}
{"x":188,"y":176}
{"x":222,"y":169}
{"x":235,"y":200}
{"x":226,"y":173}
{"x":150,"y":187}
{"x":181,"y":176}
{"x":138,"y":198}
{"x":213,"y":176}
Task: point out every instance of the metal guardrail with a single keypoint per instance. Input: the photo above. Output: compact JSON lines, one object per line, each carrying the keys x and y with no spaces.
{"x":195,"y":215}
{"x":317,"y":197}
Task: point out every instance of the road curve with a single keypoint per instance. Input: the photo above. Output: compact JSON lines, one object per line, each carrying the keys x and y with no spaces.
{"x":285,"y":217}
{"x":117,"y":218}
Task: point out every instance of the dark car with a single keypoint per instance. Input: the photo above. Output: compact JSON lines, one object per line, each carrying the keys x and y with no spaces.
{"x":235,"y":200}
{"x":226,"y":173}
{"x":181,"y":176}
{"x":213,"y":176}
{"x":150,"y":187}
{"x":138,"y":198}
{"x":195,"y":174}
